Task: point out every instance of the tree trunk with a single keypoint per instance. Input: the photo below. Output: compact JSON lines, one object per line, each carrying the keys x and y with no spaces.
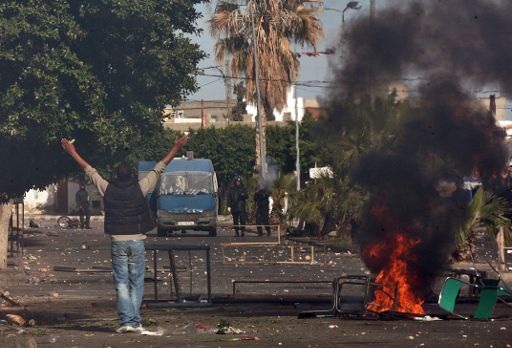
{"x":258,"y":157}
{"x":500,"y":241}
{"x":263,"y":138}
{"x":5,"y":215}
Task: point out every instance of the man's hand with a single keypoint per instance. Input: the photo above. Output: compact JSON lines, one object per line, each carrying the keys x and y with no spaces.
{"x":71,"y":150}
{"x":180,"y":142}
{"x":68,"y":146}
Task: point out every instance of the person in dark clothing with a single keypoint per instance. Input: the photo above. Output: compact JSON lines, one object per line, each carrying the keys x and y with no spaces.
{"x":236,"y":200}
{"x":82,"y":203}
{"x":262,"y":206}
{"x":127,"y":219}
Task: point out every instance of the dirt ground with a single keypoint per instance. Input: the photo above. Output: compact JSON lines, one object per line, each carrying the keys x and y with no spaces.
{"x":76,"y":307}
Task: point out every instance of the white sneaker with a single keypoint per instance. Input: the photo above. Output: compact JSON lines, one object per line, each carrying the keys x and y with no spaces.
{"x":138,"y":329}
{"x":127,"y":328}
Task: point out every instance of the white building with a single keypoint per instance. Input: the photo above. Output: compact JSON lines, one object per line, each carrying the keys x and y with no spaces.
{"x":288,"y":113}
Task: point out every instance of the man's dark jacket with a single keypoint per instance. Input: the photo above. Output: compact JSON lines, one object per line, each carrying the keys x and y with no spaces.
{"x":126,"y":209}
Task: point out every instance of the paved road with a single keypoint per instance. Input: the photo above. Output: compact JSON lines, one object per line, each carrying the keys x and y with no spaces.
{"x":77,"y":308}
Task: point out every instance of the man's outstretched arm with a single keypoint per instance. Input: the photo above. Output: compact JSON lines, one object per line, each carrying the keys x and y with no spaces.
{"x":96,"y":178}
{"x":178,"y":144}
{"x":147,"y":184}
{"x":71,"y":150}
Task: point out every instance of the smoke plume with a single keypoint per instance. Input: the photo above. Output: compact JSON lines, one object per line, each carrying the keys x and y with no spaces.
{"x":441,"y":50}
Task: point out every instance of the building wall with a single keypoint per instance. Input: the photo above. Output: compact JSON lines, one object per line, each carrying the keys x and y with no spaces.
{"x":60,"y":198}
{"x":42,"y":200}
{"x":289,"y":111}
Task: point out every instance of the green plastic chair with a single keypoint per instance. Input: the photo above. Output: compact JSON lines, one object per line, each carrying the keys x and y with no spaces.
{"x":449,"y":294}
{"x":488,"y":296}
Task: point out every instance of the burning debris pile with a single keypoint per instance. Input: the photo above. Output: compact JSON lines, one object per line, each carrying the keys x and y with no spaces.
{"x":416,"y":204}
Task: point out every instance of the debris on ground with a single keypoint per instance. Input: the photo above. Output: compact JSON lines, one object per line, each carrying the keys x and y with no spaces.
{"x":427,"y":318}
{"x":7,"y":296}
{"x":15,"y":319}
{"x":229,"y":330}
{"x":158,"y":332}
{"x":245,"y":338}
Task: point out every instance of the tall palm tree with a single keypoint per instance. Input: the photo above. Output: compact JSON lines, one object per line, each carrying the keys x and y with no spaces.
{"x":277,"y":24}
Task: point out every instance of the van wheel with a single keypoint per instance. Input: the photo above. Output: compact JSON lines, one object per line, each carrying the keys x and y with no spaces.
{"x":161,"y":232}
{"x":212,"y":232}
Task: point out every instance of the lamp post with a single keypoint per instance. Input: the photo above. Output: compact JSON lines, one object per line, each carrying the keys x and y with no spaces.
{"x":351,"y":5}
{"x":297,"y":158}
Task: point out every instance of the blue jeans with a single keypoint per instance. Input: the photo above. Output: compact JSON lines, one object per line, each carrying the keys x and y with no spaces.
{"x":129,"y":268}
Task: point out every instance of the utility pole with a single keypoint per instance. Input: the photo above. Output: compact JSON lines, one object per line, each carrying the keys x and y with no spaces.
{"x":297,"y":159}
{"x":203,"y":117}
{"x":228,"y":86}
{"x":263,"y":161}
{"x":371,"y":72}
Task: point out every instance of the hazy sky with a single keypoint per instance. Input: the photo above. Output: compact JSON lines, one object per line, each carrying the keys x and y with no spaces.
{"x":312,"y":68}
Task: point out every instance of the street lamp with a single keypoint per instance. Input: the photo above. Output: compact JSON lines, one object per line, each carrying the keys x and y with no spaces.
{"x":351,"y":5}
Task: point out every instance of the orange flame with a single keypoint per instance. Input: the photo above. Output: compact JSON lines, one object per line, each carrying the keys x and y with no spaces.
{"x":395,"y":290}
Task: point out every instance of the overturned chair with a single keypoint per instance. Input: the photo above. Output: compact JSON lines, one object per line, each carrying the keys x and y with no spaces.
{"x":489,"y":292}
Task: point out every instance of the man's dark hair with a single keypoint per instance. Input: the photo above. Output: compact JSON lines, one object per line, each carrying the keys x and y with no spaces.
{"x":124,"y":172}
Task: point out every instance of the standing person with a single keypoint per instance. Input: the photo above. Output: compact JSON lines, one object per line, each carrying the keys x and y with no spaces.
{"x":127,"y":219}
{"x":82,"y":203}
{"x":236,"y":201}
{"x":262,"y":207}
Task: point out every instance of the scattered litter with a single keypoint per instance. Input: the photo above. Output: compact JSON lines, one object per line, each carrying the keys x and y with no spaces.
{"x":158,"y":332}
{"x":15,"y":319}
{"x":245,"y":338}
{"x":503,"y":328}
{"x":411,"y":337}
{"x":7,"y":296}
{"x":333,"y":326}
{"x":229,"y":330}
{"x":427,"y":318}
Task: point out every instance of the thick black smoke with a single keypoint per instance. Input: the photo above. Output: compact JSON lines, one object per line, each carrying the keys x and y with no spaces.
{"x":437,"y":48}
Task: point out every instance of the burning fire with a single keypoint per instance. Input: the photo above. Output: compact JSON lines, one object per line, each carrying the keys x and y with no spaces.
{"x":395,"y":281}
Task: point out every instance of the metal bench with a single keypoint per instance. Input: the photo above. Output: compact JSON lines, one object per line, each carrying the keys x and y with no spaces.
{"x":171,"y":247}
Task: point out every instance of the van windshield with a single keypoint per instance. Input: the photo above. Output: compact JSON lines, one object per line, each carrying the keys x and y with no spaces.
{"x":186,"y":183}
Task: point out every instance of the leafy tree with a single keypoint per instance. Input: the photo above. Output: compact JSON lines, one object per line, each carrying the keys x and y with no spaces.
{"x":282,"y":145}
{"x":335,"y":203}
{"x":231,"y":150}
{"x":97,"y":71}
{"x":485,"y":210}
{"x":278,"y":24}
{"x":238,"y":111}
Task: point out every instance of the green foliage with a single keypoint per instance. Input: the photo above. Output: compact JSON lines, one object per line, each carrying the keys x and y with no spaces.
{"x":281,"y":145}
{"x":339,"y":141}
{"x":149,"y":322}
{"x":223,"y":323}
{"x":97,"y":71}
{"x":486,"y":210}
{"x":238,"y":111}
{"x":231,"y":149}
